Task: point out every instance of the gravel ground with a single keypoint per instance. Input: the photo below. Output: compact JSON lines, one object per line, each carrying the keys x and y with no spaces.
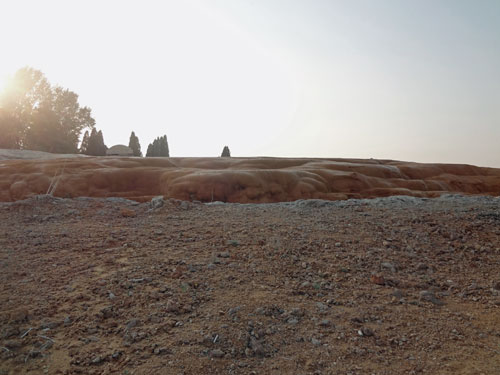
{"x":395,"y":285}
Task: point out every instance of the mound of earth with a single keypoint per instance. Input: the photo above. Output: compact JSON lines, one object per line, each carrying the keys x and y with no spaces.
{"x":243,"y":180}
{"x":7,"y":154}
{"x":396,"y":285}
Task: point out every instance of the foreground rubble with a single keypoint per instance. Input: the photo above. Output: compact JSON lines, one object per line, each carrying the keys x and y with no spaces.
{"x":385,"y":286}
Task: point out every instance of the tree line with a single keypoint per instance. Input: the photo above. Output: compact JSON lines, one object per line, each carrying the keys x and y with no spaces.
{"x":35,"y":115}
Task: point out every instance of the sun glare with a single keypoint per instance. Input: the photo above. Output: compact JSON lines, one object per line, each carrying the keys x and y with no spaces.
{"x":3,"y":81}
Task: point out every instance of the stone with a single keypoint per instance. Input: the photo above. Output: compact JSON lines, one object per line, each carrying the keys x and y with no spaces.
{"x":388,"y":266}
{"x":429,"y":296}
{"x":325,"y":323}
{"x":133,"y":323}
{"x":97,"y":360}
{"x":315,"y":342}
{"x":217,"y":353}
{"x":234,"y":310}
{"x":366,"y":332}
{"x":156,"y":202}
{"x":161,"y":351}
{"x":397,"y":293}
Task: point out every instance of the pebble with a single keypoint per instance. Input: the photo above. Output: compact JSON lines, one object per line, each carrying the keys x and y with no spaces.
{"x":388,"y":266}
{"x":234,"y":310}
{"x":97,"y":360}
{"x":217,"y":353}
{"x":133,"y":323}
{"x":315,"y":342}
{"x":325,"y":323}
{"x":366,"y":332}
{"x":429,"y":296}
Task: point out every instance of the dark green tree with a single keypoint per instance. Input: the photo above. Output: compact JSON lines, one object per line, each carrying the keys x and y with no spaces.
{"x":96,"y":145}
{"x":49,"y":118}
{"x":134,"y":144}
{"x":159,"y":147}
{"x":226,"y":152}
{"x":85,"y":143}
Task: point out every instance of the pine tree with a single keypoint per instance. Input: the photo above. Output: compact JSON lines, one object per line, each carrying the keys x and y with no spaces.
{"x":135,"y":145}
{"x":226,"y":152}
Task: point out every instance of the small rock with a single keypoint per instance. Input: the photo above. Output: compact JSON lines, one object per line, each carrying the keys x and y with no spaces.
{"x":97,"y":360}
{"x":172,"y":307}
{"x":234,"y":310}
{"x":224,"y":254}
{"x":366,"y":332}
{"x":388,"y":266}
{"x":160,"y":351}
{"x":338,"y":244}
{"x":321,"y":307}
{"x":156,"y":202}
{"x":67,"y":321}
{"x":217,"y":353}
{"x":133,"y":323}
{"x":397,"y":294}
{"x":315,"y":342}
{"x":429,"y":296}
{"x":293,"y":321}
{"x":325,"y":323}
{"x":297,"y":312}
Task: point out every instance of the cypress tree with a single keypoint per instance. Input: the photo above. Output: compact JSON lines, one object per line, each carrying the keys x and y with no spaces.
{"x":225,"y":152}
{"x":135,"y":145}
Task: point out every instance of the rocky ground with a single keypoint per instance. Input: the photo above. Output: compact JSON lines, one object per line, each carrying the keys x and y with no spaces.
{"x":385,"y":286}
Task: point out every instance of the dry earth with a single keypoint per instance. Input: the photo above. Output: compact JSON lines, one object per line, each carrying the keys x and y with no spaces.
{"x":395,"y":285}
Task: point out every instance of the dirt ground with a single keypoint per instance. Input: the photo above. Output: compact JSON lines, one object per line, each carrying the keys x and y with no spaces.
{"x":393,"y":285}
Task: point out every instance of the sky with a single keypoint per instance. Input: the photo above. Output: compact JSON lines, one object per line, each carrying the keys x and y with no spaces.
{"x":386,"y":79}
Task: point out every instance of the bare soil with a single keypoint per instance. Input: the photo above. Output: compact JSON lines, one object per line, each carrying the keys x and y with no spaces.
{"x":394,"y":285}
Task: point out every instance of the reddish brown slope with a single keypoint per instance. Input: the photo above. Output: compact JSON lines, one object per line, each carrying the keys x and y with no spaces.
{"x":241,"y":179}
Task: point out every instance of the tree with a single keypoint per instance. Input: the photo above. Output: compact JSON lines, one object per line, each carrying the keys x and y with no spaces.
{"x":46,"y":118}
{"x":10,"y":130}
{"x":85,"y":143}
{"x":159,"y":147}
{"x":226,"y":152}
{"x":96,"y":146}
{"x":134,"y":144}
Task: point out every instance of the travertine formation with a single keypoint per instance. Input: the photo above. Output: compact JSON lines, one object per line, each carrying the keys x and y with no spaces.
{"x":243,"y":180}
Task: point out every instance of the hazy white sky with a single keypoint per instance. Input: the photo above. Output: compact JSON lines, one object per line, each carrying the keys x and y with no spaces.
{"x":407,"y":80}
